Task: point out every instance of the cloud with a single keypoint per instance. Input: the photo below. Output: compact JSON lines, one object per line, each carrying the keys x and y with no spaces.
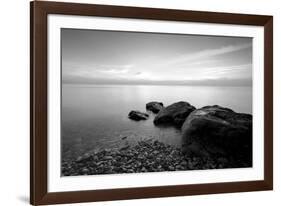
{"x":201,"y":55}
{"x":115,"y":71}
{"x":206,"y":65}
{"x":226,"y":69}
{"x":96,"y":70}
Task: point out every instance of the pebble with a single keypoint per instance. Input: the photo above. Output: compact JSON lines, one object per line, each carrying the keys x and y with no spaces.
{"x":145,"y":156}
{"x":85,"y":171}
{"x":178,"y":167}
{"x":143,"y":169}
{"x":184,"y":163}
{"x":107,"y":157}
{"x":171,"y":168}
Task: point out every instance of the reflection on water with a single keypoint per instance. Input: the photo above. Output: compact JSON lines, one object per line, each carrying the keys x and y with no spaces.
{"x":95,"y":116}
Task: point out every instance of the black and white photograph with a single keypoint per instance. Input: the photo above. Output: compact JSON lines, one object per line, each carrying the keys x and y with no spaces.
{"x":138,"y":102}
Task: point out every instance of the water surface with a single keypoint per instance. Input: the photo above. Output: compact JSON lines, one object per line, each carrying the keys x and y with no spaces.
{"x":96,"y":116}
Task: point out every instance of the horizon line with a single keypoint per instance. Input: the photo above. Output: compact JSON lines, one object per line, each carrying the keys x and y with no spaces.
{"x":124,"y":84}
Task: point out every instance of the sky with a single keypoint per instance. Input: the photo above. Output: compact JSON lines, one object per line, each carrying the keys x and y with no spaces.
{"x":112,"y":57}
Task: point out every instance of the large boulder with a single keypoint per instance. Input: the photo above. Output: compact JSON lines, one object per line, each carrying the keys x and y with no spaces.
{"x":214,"y":130}
{"x":136,"y":115}
{"x":174,"y":114}
{"x":155,"y":107}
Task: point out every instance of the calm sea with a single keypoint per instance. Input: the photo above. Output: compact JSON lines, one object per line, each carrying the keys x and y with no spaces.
{"x":96,"y":116}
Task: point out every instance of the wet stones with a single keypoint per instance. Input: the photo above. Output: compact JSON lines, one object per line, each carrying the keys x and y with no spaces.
{"x":146,"y":156}
{"x":137,"y":115}
{"x":174,"y":114}
{"x":154,"y":107}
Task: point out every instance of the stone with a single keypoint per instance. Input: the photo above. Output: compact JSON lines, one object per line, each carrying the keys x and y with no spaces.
{"x":174,"y":114}
{"x":107,"y":157}
{"x":137,"y":115}
{"x":171,"y":168}
{"x":154,"y":107}
{"x":178,"y":167}
{"x":215,"y":130}
{"x":125,"y":147}
{"x":143,"y":169}
{"x":84,"y":158}
{"x":85,"y":171}
{"x":183,"y":163}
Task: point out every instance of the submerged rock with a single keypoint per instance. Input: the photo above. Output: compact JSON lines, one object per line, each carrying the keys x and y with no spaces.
{"x":84,"y":158}
{"x":136,"y":115}
{"x":174,"y":114}
{"x":124,"y":137}
{"x":155,"y":107}
{"x":214,"y":130}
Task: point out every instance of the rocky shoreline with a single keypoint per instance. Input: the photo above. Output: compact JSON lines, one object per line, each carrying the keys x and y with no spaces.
{"x":146,"y":156}
{"x":213,"y":137}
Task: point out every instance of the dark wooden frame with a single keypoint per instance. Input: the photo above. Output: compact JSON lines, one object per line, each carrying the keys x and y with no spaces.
{"x":38,"y":102}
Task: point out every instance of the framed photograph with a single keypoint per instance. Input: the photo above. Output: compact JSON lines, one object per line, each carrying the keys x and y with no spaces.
{"x":131,"y":102}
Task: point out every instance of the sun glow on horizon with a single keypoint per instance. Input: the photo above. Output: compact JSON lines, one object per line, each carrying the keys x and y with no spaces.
{"x":131,"y":58}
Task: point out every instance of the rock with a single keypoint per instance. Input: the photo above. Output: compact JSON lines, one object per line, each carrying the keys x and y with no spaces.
{"x":183,"y":163}
{"x":125,"y":147}
{"x":171,"y":168}
{"x":143,"y":169}
{"x":155,"y":152}
{"x":174,"y":114}
{"x":155,"y":107}
{"x":158,"y":159}
{"x":178,"y":167}
{"x":136,"y":115}
{"x":123,"y":169}
{"x":214,"y":130}
{"x":95,"y":158}
{"x":190,"y":165}
{"x":79,"y":159}
{"x":107,"y":150}
{"x":99,"y":164}
{"x":174,"y":153}
{"x":85,"y":171}
{"x":107,"y":157}
{"x":84,"y":158}
{"x":222,"y":161}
